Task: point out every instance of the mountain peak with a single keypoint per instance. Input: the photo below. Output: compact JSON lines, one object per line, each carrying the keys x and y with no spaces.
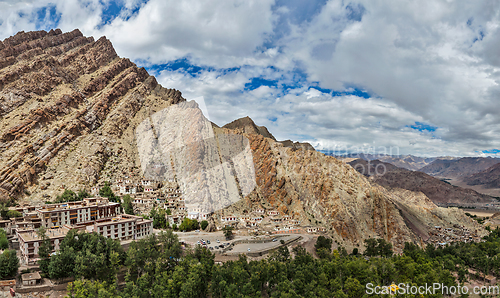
{"x":247,"y":125}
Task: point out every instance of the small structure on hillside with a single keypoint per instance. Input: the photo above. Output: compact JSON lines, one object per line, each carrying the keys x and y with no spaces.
{"x":31,"y":279}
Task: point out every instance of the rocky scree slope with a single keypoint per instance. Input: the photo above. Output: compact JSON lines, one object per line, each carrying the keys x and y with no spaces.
{"x":69,"y":106}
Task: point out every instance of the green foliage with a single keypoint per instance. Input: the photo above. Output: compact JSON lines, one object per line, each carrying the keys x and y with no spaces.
{"x":127,"y":205}
{"x":106,"y":191}
{"x":204,"y":224}
{"x":323,"y":243}
{"x":3,"y":210}
{"x":67,"y":196}
{"x":9,"y":263}
{"x":189,"y":224}
{"x":4,"y":243}
{"x":228,"y":232}
{"x":158,"y":217}
{"x":13,"y":214}
{"x":71,"y":196}
{"x":44,"y":250}
{"x":87,"y":255}
{"x":158,"y":267}
{"x":377,"y":247}
{"x":82,"y":194}
{"x":82,"y":288}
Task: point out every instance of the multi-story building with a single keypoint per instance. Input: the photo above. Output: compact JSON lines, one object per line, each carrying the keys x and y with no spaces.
{"x":90,"y":209}
{"x":29,"y":243}
{"x":91,"y":215}
{"x":122,"y":227}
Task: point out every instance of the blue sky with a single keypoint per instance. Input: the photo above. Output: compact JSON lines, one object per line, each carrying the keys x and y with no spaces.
{"x":342,"y":75}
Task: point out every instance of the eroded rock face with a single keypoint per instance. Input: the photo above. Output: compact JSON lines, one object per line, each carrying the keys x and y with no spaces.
{"x":69,"y":106}
{"x":319,"y":190}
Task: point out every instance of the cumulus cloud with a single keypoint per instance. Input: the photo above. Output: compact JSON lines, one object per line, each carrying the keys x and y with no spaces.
{"x":334,"y":73}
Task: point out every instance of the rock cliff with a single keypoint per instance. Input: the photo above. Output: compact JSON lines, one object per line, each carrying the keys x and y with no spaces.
{"x":69,"y":107}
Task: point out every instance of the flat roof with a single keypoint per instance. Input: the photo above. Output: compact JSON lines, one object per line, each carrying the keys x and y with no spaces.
{"x":51,"y":234}
{"x":31,"y":276}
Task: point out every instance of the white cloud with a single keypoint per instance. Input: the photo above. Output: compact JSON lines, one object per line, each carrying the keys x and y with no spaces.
{"x":434,"y":62}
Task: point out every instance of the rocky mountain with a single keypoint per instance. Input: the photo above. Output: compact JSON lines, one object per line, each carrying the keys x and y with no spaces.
{"x":320,"y":190}
{"x":460,"y":167}
{"x":489,"y":178}
{"x":438,"y":191}
{"x":409,"y":162}
{"x":246,"y":125}
{"x":74,"y":114}
{"x":69,"y":107}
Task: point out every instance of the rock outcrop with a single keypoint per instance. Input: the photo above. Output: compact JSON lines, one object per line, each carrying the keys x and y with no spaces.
{"x":246,"y":125}
{"x":69,"y":106}
{"x":319,"y":190}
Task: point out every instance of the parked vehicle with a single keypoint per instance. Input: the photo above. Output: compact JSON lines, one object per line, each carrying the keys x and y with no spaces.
{"x":208,"y":241}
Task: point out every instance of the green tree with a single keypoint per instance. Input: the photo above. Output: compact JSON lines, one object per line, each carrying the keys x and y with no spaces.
{"x":204,"y":224}
{"x":384,"y":248}
{"x":158,"y":217}
{"x":4,"y":242}
{"x":323,"y":242}
{"x":82,"y":288}
{"x":127,"y":205}
{"x":13,"y":214}
{"x":3,"y":210}
{"x":189,"y":224}
{"x":87,"y":255}
{"x":106,"y":192}
{"x":9,"y":263}
{"x":67,"y":196}
{"x":228,"y":232}
{"x":281,"y":254}
{"x":44,"y":250}
{"x":82,"y":194}
{"x":371,"y":247}
{"x":62,"y":263}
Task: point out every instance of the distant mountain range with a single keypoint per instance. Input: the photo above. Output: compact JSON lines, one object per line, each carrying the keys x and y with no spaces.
{"x":489,"y":178}
{"x":438,"y":191}
{"x":410,"y":162}
{"x":459,"y":167}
